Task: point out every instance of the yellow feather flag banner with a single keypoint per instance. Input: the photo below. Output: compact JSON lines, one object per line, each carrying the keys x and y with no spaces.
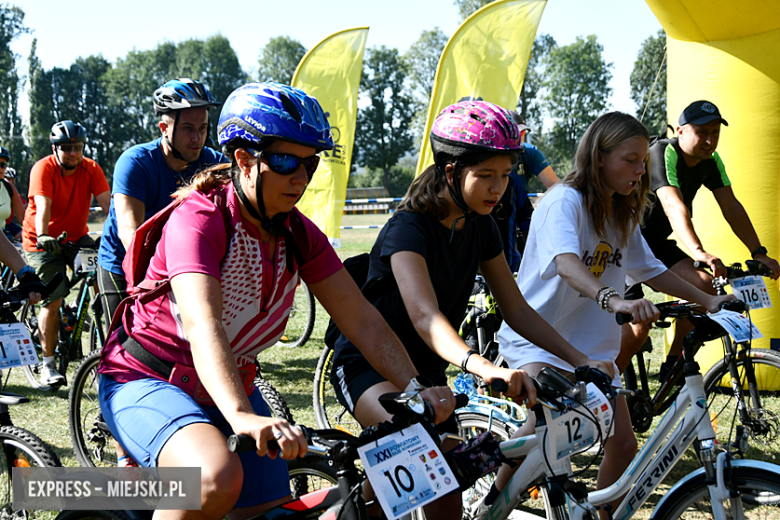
{"x":485,"y":59}
{"x":331,"y":73}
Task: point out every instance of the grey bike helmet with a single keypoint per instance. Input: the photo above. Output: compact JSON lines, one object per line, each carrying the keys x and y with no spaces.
{"x":67,"y":132}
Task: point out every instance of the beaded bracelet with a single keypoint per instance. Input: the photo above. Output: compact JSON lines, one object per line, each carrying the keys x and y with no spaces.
{"x":604,"y":299}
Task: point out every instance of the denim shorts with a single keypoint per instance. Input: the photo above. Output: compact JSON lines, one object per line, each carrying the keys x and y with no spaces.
{"x":143,"y":414}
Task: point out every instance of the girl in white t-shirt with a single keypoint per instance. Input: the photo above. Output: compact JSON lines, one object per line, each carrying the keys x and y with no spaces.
{"x":583,"y":247}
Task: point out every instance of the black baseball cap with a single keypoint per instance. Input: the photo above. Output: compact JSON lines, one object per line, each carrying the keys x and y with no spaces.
{"x":699,"y":113}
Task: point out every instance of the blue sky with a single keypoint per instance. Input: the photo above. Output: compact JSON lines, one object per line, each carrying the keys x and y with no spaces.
{"x":66,"y":31}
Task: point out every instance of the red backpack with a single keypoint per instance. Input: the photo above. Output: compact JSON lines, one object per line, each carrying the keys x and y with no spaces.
{"x":144,"y":244}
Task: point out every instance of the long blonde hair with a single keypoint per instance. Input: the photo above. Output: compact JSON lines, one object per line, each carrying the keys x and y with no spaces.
{"x":625,"y":211}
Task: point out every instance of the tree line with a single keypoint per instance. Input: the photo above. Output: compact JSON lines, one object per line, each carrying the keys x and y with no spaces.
{"x":565,"y":89}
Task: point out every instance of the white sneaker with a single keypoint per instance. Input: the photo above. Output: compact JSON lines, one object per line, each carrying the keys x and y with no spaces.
{"x":50,"y":376}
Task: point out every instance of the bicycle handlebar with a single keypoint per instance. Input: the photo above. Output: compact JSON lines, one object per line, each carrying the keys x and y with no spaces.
{"x":243,"y":442}
{"x":677,"y":310}
{"x":754,"y":268}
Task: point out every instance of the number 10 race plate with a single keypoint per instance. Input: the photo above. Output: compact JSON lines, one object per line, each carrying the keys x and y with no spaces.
{"x":406,"y":470}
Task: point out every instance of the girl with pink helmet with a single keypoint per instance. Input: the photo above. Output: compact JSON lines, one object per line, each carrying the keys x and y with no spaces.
{"x":424,"y":262}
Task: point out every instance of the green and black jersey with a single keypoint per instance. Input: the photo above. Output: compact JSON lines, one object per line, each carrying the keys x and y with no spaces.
{"x":668,"y":168}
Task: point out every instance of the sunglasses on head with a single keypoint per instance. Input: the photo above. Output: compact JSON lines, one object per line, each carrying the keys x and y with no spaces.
{"x":69,"y":148}
{"x":286,"y":164}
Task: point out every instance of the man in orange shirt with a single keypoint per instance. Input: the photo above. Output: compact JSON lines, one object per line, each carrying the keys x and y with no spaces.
{"x":61,"y":189}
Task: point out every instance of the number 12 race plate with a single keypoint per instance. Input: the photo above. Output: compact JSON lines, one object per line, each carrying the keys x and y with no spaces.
{"x":406,"y":470}
{"x":574,"y":430}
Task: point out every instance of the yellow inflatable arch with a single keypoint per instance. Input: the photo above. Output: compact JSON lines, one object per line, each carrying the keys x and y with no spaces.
{"x":729,"y":53}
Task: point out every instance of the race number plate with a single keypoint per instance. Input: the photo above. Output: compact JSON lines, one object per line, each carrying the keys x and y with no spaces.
{"x":87,"y":258}
{"x":752,"y":290}
{"x":573,"y":430}
{"x":16,"y":346}
{"x":406,"y":470}
{"x":740,"y":327}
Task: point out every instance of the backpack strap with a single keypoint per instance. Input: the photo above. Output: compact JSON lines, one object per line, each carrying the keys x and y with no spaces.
{"x":299,"y":234}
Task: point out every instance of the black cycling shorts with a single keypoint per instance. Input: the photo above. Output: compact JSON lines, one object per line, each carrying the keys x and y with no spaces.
{"x":356,"y":375}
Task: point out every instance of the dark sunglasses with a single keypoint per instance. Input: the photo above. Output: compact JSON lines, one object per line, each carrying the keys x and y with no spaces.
{"x":3,"y":164}
{"x":286,"y":164}
{"x":71,"y":148}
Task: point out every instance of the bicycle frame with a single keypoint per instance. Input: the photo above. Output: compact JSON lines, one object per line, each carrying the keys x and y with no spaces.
{"x":686,"y":421}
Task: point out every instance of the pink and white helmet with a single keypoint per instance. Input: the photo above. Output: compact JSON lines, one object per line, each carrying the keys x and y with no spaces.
{"x":475,"y":126}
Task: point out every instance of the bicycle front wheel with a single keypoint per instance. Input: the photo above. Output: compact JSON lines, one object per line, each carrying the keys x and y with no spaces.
{"x":300,"y":323}
{"x":328,"y":412}
{"x":761,"y":399}
{"x":20,"y":449}
{"x":758,"y":490}
{"x":470,"y":425}
{"x":92,"y":441}
{"x":310,"y":474}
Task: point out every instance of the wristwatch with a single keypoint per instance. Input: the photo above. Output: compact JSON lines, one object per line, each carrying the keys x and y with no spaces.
{"x":761,"y":250}
{"x":418,"y":384}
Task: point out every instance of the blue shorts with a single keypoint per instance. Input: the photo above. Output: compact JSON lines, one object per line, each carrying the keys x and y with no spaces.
{"x":143,"y":414}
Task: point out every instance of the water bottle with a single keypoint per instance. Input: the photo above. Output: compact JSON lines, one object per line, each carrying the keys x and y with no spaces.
{"x":464,"y":384}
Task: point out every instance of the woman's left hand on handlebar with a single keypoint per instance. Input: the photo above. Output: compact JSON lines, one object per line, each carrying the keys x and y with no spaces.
{"x":442,"y":400}
{"x":643,"y":310}
{"x":717,"y":301}
{"x":519,"y":385}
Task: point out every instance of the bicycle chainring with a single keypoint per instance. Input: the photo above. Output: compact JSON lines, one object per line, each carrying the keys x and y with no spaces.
{"x":641,"y":412}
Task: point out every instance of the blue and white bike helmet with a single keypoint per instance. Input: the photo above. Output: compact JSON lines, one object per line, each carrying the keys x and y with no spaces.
{"x":264,"y":112}
{"x":261,"y":113}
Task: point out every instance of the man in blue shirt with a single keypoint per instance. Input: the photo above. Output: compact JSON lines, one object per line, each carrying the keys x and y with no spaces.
{"x":147,"y":174}
{"x":513,"y":216}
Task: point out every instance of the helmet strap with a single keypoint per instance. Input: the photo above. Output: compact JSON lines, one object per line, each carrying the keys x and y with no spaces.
{"x":457,"y":196}
{"x":175,"y":152}
{"x":275,"y":225}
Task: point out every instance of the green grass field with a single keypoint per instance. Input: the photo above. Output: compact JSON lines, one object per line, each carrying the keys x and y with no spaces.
{"x":290,"y":370}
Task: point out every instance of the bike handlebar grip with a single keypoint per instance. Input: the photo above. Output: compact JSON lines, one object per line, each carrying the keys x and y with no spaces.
{"x":499,"y":385}
{"x":243,"y":442}
{"x":735,"y":305}
{"x":461,"y":400}
{"x":622,"y":317}
{"x":701,"y":266}
{"x":62,"y":237}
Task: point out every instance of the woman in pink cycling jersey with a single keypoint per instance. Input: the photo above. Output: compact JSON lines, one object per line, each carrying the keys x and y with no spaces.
{"x":233,"y":251}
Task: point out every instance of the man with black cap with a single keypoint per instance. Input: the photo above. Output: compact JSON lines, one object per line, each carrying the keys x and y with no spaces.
{"x":678,"y":168}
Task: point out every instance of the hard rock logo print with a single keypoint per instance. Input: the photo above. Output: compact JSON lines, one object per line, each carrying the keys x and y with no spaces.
{"x":601,"y":258}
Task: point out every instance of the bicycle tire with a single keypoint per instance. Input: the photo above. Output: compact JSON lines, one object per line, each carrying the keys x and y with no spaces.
{"x":29,"y":316}
{"x":471,"y":424}
{"x":760,"y":488}
{"x":273,"y":399}
{"x":328,"y":412}
{"x":300,"y":322}
{"x":764,"y":424}
{"x":309,"y":474}
{"x":20,"y":448}
{"x":92,"y":442}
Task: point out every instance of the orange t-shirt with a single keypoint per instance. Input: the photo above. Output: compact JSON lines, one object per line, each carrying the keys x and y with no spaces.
{"x":70,"y":198}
